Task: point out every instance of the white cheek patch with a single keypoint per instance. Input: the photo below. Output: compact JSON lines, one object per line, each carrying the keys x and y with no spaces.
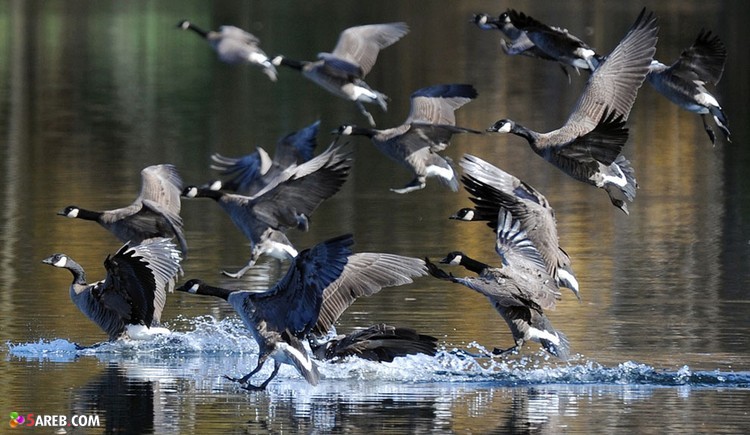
{"x":456,"y":260}
{"x":193,"y":288}
{"x":505,"y":128}
{"x":468,"y":216}
{"x":192,"y":192}
{"x":73,"y":213}
{"x":61,"y":262}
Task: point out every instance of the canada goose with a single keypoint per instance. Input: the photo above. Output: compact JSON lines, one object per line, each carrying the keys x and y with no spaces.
{"x":520,"y":291}
{"x":556,"y":42}
{"x":342,"y":71}
{"x":683,"y":82}
{"x":155,"y":213}
{"x":519,"y":43}
{"x":134,"y":290}
{"x":588,"y":146}
{"x":234,"y":46}
{"x":495,"y":191}
{"x":288,"y":201}
{"x":427,"y":130}
{"x":284,"y":314}
{"x":251,"y":173}
{"x":379,"y":342}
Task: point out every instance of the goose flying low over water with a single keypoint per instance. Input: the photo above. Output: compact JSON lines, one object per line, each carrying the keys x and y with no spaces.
{"x":684,"y":82}
{"x":155,"y":213}
{"x":520,"y":291}
{"x":427,"y":130}
{"x":249,"y":174}
{"x":519,"y":43}
{"x":381,"y":343}
{"x":557,"y":43}
{"x":495,"y":191}
{"x":234,"y":46}
{"x":284,"y":314}
{"x":134,"y":291}
{"x":286,"y":202}
{"x":342,"y":71}
{"x":588,"y":146}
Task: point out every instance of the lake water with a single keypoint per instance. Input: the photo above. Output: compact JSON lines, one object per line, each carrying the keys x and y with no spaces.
{"x":93,"y":91}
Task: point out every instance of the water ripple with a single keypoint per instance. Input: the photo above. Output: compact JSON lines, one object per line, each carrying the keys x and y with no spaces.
{"x":224,"y":346}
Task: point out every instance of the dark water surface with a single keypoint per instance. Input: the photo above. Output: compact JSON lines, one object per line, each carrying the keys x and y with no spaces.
{"x":93,"y":91}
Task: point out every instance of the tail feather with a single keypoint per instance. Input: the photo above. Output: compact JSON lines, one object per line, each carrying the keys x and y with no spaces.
{"x":627,"y":169}
{"x":721,"y":121}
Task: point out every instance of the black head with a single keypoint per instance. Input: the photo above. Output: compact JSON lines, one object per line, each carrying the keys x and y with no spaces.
{"x":191,"y":286}
{"x":70,"y":211}
{"x":465,"y":214}
{"x":184,"y":25}
{"x":344,"y":130}
{"x":57,"y":260}
{"x":502,"y":126}
{"x":454,"y":258}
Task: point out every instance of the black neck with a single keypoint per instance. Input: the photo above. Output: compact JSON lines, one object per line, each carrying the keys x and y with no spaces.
{"x":473,"y":265}
{"x":88,"y":215}
{"x":79,"y":276}
{"x":291,"y":63}
{"x":219,"y":292}
{"x":363,"y":131}
{"x":198,"y":30}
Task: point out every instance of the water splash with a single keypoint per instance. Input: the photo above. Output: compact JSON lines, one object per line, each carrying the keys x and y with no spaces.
{"x":204,"y":348}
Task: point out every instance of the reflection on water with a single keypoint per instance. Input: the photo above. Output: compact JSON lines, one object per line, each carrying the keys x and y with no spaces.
{"x":660,"y":337}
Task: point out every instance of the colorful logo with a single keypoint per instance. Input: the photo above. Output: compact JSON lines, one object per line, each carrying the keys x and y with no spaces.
{"x":16,"y":419}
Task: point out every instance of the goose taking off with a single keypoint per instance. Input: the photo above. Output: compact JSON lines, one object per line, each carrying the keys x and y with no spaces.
{"x":251,"y":173}
{"x":234,"y":46}
{"x":286,"y":202}
{"x":588,"y":146}
{"x":520,"y":291}
{"x":495,"y":191}
{"x":518,"y":42}
{"x":134,"y":290}
{"x":342,"y":71}
{"x":283,"y":315}
{"x":381,"y":342}
{"x":684,"y":82}
{"x":155,"y":213}
{"x":555,"y":42}
{"x":427,"y":130}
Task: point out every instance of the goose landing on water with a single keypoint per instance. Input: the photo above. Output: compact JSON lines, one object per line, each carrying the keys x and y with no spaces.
{"x":132,"y":295}
{"x":234,"y":46}
{"x":684,"y":82}
{"x":427,"y":130}
{"x":520,"y":291}
{"x":342,"y":71}
{"x":588,"y":146}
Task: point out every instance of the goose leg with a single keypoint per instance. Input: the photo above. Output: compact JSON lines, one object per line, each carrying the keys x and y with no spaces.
{"x":415,"y":184}
{"x":367,"y":114}
{"x":242,"y":271}
{"x":709,"y":130}
{"x":498,"y":351}
{"x":244,"y":379}
{"x":276,"y":366}
{"x":567,"y":74}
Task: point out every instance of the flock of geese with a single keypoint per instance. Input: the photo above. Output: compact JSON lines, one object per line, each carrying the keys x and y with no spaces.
{"x":266,"y":196}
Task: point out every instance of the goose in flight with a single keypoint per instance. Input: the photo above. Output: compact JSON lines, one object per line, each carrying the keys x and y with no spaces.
{"x":425,"y":132}
{"x":286,"y":202}
{"x":154,"y":213}
{"x":684,"y":82}
{"x":247,"y":175}
{"x":342,"y":71}
{"x":588,"y":146}
{"x":234,"y":46}
{"x":495,"y":191}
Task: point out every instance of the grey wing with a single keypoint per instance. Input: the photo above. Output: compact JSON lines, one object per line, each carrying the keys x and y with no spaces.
{"x":436,"y":104}
{"x":173,"y":221}
{"x":514,"y":246}
{"x":294,"y":302}
{"x":239,"y":34}
{"x":706,"y":58}
{"x":301,"y":189}
{"x":614,"y":84}
{"x":502,"y":181}
{"x":364,"y":275}
{"x":163,"y":185}
{"x":360,"y":45}
{"x":163,"y":260}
